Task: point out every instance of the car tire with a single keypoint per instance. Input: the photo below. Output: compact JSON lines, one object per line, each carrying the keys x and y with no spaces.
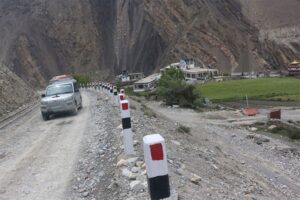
{"x":45,"y":116}
{"x":80,"y":105}
{"x":75,"y":110}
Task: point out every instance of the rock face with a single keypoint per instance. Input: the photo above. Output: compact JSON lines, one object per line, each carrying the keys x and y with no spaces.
{"x":42,"y":38}
{"x":14,"y":93}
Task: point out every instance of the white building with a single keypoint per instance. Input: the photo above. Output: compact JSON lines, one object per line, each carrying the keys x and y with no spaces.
{"x":198,"y":74}
{"x":148,"y":83}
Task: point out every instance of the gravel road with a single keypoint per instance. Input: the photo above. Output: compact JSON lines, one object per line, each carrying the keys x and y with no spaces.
{"x":37,"y":157}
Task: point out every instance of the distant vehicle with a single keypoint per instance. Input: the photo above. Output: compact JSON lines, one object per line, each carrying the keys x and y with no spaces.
{"x":61,"y":96}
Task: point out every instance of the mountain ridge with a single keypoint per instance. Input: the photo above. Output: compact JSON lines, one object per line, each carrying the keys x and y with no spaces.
{"x":102,"y":38}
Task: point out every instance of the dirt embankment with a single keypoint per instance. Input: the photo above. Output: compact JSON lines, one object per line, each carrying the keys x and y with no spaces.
{"x":14,"y":93}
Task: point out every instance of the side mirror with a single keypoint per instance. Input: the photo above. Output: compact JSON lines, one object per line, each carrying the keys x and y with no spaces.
{"x":43,"y":95}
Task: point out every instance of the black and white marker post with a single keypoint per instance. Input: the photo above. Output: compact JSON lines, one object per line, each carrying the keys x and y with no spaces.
{"x":126,"y":125}
{"x":157,"y":167}
{"x":116,"y":99}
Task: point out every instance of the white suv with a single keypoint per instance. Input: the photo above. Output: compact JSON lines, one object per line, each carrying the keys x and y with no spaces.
{"x":61,"y":96}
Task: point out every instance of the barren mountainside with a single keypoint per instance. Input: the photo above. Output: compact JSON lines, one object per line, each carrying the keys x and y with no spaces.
{"x":14,"y":92}
{"x":42,"y":38}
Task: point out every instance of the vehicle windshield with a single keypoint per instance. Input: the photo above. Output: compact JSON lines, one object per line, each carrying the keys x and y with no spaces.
{"x":59,"y":89}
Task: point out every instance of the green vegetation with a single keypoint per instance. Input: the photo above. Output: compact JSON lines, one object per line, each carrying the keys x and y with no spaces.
{"x":262,"y":89}
{"x":286,"y":130}
{"x":292,"y":97}
{"x":129,"y":91}
{"x":292,"y":133}
{"x":175,"y":91}
{"x":82,"y":78}
{"x":183,"y":129}
{"x":148,"y":112}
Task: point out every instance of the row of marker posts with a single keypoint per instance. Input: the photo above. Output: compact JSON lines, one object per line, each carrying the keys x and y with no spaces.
{"x":154,"y":147}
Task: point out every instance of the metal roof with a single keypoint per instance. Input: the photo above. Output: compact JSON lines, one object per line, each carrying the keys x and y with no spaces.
{"x":148,"y":79}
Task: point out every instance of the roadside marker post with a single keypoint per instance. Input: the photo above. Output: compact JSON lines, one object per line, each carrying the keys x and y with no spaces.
{"x":116,"y":99}
{"x":126,"y":125}
{"x":111,"y":93}
{"x":107,"y":90}
{"x":157,"y":166}
{"x":121,"y":97}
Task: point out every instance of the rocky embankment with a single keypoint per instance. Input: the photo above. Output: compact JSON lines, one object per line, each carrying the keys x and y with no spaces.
{"x":14,"y":93}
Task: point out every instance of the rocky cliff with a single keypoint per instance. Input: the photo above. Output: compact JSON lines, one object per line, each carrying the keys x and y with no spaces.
{"x":42,"y":38}
{"x":14,"y":92}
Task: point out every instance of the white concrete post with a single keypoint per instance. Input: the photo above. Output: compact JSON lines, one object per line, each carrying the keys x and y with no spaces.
{"x":116,"y":99}
{"x":126,"y":125}
{"x":157,"y":166}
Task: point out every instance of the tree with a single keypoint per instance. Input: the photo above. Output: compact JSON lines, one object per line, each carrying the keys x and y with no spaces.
{"x":175,"y":91}
{"x":82,"y":79}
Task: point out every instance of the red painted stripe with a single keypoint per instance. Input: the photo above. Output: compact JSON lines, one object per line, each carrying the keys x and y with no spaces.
{"x":125,"y":106}
{"x":157,"y":152}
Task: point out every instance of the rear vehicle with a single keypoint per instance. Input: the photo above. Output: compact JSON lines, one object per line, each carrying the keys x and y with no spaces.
{"x":61,"y":96}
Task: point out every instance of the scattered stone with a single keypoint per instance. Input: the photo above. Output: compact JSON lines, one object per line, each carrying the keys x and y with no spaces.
{"x":214,"y":166}
{"x":135,"y":142}
{"x":135,"y":169}
{"x":113,"y":184}
{"x":253,"y":129}
{"x":180,"y":172}
{"x":261,"y":140}
{"x":85,"y":194}
{"x":131,"y":161}
{"x":175,"y":142}
{"x":144,"y":166}
{"x":272,"y":127}
{"x":195,"y":179}
{"x":139,"y":163}
{"x":250,"y":136}
{"x":144,"y":172}
{"x":81,"y":190}
{"x":120,"y":163}
{"x":136,"y":186}
{"x":126,"y":173}
{"x":120,"y":127}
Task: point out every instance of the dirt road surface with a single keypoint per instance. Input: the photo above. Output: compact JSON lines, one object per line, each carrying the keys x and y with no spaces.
{"x":37,"y":157}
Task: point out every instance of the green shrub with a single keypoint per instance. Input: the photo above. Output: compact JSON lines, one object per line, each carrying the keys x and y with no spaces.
{"x":175,"y":91}
{"x":82,"y":79}
{"x":183,"y":129}
{"x":289,"y":132}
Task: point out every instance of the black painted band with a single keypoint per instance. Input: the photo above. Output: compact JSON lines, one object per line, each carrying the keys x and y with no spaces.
{"x":159,"y":187}
{"x":126,"y":123}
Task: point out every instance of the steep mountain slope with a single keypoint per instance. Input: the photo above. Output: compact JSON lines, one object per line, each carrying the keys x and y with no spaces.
{"x":13,"y":92}
{"x":41,"y":38}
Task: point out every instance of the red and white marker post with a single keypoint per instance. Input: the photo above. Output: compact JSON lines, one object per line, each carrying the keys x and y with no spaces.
{"x":116,"y":99}
{"x":121,"y":97}
{"x":126,"y":125}
{"x":157,"y":167}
